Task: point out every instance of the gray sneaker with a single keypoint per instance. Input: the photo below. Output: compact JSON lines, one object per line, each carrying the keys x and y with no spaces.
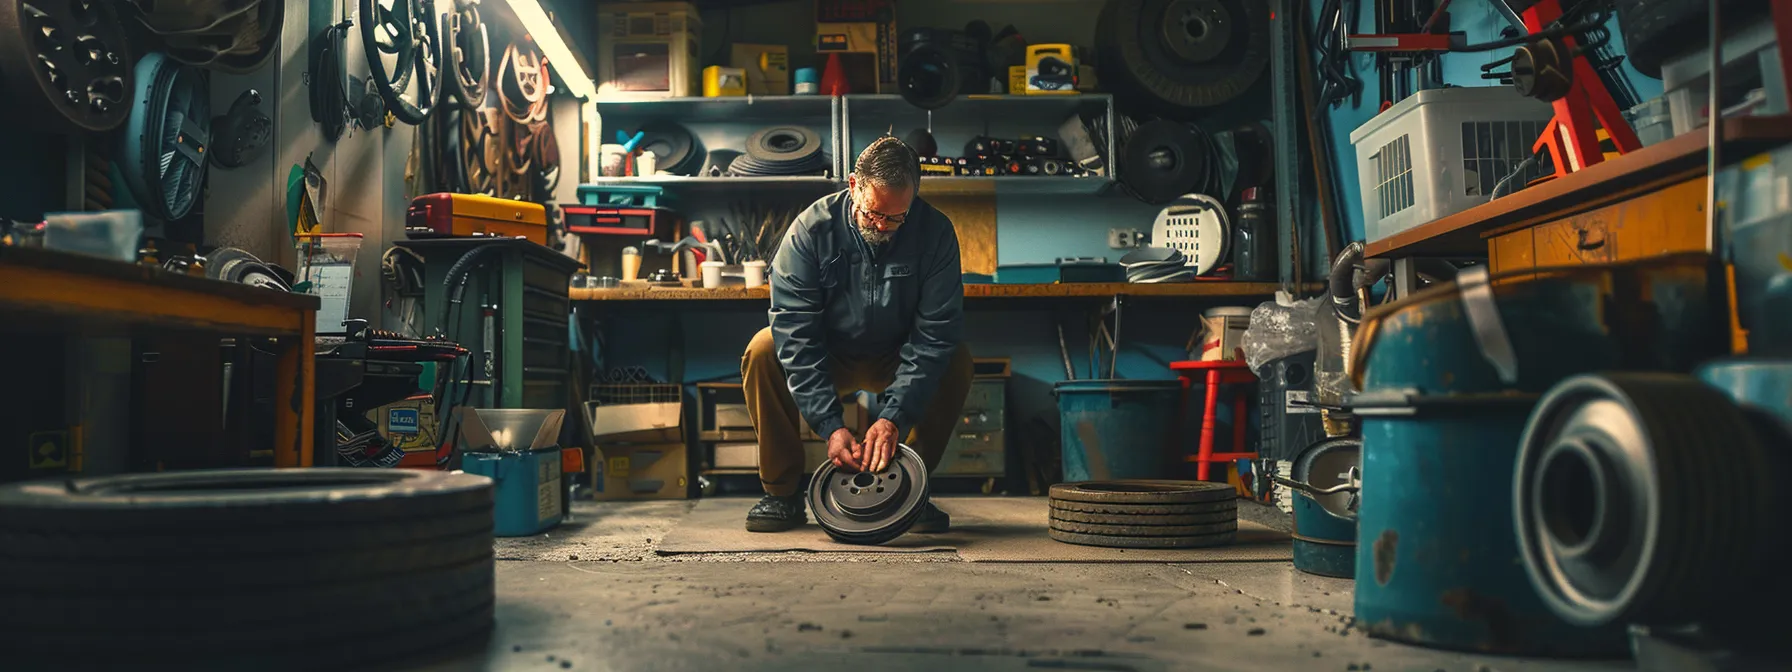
{"x":777,"y":514}
{"x":932,"y":520}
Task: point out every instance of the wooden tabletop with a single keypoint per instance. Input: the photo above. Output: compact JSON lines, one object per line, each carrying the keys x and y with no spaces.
{"x":1677,"y":160}
{"x":59,"y":284}
{"x":1215,"y":289}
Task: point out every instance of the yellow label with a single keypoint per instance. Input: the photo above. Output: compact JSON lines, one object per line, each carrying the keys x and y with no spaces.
{"x":619,"y":467}
{"x":47,"y":450}
{"x":1757,"y":161}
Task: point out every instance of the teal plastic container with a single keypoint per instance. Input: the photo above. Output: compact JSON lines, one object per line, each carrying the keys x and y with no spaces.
{"x":626,"y":195}
{"x":1117,"y":429}
{"x":526,"y":489}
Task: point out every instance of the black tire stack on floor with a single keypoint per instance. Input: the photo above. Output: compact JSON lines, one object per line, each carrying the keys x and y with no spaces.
{"x":313,"y":569}
{"x":1144,"y":514}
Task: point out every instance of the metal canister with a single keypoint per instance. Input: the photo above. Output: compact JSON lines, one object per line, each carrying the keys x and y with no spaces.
{"x":1254,"y":239}
{"x":1446,"y":391}
{"x":1325,"y":506}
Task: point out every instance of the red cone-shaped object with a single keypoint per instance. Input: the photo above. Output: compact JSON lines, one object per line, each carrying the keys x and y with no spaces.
{"x":833,"y":78}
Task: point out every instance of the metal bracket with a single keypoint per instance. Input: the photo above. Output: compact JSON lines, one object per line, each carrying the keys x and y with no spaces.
{"x":1484,"y":317}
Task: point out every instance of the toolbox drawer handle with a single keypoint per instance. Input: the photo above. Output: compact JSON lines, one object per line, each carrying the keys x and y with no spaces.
{"x":1585,"y":244}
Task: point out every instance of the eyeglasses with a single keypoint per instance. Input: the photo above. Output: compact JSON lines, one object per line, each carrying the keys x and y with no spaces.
{"x":881,"y":218}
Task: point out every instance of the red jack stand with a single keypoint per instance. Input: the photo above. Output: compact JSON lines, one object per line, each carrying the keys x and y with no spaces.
{"x":1573,"y":135}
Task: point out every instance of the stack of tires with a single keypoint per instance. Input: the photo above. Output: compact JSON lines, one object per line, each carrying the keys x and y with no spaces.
{"x":291,"y":569}
{"x":1144,"y":514}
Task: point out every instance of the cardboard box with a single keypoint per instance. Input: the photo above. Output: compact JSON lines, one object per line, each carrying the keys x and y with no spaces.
{"x":863,"y":32}
{"x":767,"y":67}
{"x":736,"y":456}
{"x":1051,"y":69}
{"x":640,"y":471}
{"x":409,"y":424}
{"x":636,"y":423}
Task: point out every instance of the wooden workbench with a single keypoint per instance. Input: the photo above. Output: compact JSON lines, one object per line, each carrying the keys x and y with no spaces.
{"x":1211,"y":289}
{"x":1646,"y":203}
{"x":54,"y":291}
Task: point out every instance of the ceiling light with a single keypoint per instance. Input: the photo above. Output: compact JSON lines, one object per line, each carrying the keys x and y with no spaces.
{"x":535,"y":20}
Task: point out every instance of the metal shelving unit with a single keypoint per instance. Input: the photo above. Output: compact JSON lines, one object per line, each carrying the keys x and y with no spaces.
{"x":853,"y":121}
{"x":866,"y":117}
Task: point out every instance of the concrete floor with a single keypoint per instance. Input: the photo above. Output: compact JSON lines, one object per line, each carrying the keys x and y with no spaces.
{"x":594,"y":596}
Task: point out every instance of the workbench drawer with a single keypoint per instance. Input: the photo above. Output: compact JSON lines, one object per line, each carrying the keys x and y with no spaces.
{"x":1659,"y":223}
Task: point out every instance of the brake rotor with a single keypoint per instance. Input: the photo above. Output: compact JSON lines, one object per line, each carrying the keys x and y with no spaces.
{"x":468,"y":56}
{"x":1186,"y":54}
{"x":66,"y":63}
{"x":409,"y":32}
{"x":869,"y":507}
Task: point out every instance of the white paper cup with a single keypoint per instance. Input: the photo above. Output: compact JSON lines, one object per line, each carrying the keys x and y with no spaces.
{"x":754,"y":271}
{"x":646,"y":164}
{"x":712,"y":274}
{"x":612,"y":160}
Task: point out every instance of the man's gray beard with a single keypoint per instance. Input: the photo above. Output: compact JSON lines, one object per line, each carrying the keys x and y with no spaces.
{"x":874,"y":236}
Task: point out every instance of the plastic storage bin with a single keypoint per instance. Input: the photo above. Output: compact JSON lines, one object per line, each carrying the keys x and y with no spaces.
{"x":1653,"y":121}
{"x":1441,"y":151}
{"x":526,"y":488}
{"x":624,"y":195}
{"x":327,"y":270}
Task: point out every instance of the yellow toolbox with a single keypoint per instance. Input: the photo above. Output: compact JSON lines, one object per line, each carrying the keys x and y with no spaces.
{"x":474,"y":215}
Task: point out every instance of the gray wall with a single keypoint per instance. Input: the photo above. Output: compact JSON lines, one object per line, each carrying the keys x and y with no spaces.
{"x":365,"y":170}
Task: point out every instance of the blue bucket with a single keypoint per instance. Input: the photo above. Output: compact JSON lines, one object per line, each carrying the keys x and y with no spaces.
{"x":1438,"y":562}
{"x":1325,"y":525}
{"x":1116,"y":429}
{"x":526,"y":488}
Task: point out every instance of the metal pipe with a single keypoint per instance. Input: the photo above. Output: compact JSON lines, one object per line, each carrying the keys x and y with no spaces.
{"x":1114,"y":359}
{"x":1064,"y":350}
{"x":1714,"y":127}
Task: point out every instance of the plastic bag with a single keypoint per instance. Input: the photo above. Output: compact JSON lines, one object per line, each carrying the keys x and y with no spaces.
{"x":1281,"y":328}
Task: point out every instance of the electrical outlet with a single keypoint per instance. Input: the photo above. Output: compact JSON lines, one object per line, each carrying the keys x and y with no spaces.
{"x":1122,"y":239}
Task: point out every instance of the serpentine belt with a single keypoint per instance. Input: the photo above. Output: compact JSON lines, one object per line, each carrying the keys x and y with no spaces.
{"x":468,"y":56}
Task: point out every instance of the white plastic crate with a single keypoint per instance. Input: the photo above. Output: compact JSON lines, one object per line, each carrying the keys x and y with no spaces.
{"x":1441,"y":151}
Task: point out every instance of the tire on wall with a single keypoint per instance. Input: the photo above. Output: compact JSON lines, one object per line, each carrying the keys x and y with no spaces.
{"x":1658,"y":30}
{"x":244,"y":569}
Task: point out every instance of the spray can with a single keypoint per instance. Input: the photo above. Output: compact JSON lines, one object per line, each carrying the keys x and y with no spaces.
{"x":1254,"y":238}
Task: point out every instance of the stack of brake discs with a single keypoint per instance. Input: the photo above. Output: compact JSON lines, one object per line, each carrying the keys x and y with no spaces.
{"x":869,"y":507}
{"x":1144,"y":514}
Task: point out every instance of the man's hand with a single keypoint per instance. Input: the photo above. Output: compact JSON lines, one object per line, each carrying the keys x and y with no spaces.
{"x":880,"y":445}
{"x":843,"y":451}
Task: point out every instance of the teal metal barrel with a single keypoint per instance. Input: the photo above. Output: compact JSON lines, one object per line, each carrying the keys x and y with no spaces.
{"x":1448,"y":382}
{"x":1325,"y":524}
{"x":1116,"y":429}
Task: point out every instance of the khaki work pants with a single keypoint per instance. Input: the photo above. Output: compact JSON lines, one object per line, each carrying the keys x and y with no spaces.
{"x":779,"y":424}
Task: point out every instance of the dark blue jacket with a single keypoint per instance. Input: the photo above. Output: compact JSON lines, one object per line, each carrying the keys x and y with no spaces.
{"x":833,"y":293}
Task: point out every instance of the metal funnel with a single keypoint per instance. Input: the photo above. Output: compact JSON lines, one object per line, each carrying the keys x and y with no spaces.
{"x":488,"y":429}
